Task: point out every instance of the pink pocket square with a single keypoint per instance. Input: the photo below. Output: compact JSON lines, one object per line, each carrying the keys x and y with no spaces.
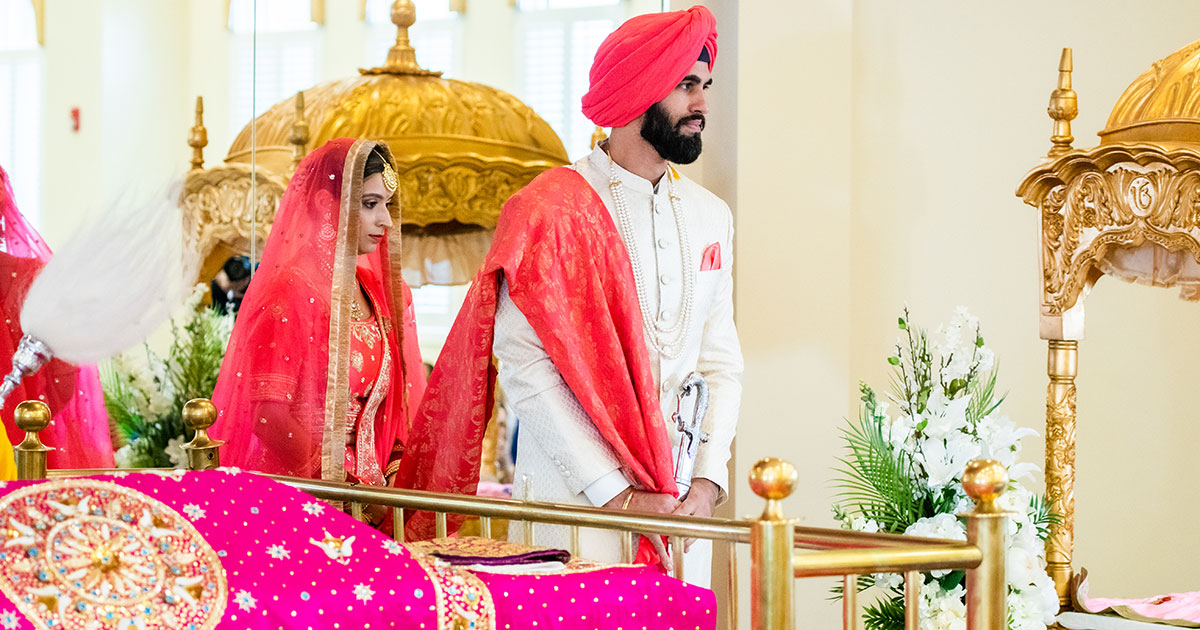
{"x":711,"y":260}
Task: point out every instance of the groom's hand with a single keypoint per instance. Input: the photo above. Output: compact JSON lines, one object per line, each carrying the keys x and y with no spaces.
{"x":651,"y":502}
{"x":700,"y":501}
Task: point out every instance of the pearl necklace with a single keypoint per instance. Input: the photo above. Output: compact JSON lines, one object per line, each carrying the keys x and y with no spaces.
{"x":677,"y":332}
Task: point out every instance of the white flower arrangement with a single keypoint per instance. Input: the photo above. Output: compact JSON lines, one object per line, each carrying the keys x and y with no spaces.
{"x":902,"y":474}
{"x":145,"y":393}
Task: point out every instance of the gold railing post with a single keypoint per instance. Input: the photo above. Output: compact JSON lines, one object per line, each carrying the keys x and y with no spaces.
{"x":1062,"y":361}
{"x":984,"y":481}
{"x":202,"y":452}
{"x":771,"y":537}
{"x":31,"y":417}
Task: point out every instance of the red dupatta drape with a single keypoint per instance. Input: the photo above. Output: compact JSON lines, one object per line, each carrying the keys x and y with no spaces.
{"x":283,"y":391}
{"x":569,"y":274}
{"x":79,"y":431}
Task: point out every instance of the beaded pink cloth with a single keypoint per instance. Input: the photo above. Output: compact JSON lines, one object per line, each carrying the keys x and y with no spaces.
{"x":234,"y":550}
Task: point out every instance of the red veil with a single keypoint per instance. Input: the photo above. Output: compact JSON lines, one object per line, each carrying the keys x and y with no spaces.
{"x":79,"y":431}
{"x":283,"y":391}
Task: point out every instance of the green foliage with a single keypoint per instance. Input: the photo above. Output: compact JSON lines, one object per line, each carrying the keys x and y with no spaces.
{"x":145,"y":404}
{"x":874,"y":479}
{"x":884,"y":614}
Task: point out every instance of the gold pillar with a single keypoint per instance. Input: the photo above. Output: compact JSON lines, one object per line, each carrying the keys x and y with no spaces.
{"x":1061,"y":365}
{"x":984,"y":481}
{"x":298,"y":135}
{"x":198,"y":139}
{"x":31,"y":417}
{"x":202,"y":452}
{"x":771,"y":537}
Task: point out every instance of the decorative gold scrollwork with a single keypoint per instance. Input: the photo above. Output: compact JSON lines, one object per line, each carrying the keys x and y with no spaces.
{"x":1094,"y":201}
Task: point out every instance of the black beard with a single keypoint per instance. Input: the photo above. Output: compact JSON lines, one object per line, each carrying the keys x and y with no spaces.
{"x":671,"y":144}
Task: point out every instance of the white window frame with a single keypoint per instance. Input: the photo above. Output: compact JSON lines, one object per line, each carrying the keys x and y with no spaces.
{"x":443,"y":29}
{"x":569,"y":123}
{"x":301,"y":40}
{"x":21,"y":150}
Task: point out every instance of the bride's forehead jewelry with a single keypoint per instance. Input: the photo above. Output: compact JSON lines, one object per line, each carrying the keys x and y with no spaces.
{"x":390,"y":180}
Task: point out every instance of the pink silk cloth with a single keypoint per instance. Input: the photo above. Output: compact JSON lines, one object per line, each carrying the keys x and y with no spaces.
{"x":231,"y":549}
{"x":569,"y":273}
{"x":283,"y":396}
{"x":79,"y":431}
{"x":639,"y":64}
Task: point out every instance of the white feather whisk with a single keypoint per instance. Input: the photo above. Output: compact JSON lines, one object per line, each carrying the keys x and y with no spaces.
{"x":114,"y":282}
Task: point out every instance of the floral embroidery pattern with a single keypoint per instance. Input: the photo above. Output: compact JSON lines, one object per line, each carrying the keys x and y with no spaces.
{"x":463,"y":600}
{"x":94,"y":552}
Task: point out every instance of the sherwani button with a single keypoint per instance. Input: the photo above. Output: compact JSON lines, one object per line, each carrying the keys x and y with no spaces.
{"x":663,"y":243}
{"x":665,"y":279}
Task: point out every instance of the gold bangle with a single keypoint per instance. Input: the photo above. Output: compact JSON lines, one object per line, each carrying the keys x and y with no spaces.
{"x":628,"y":498}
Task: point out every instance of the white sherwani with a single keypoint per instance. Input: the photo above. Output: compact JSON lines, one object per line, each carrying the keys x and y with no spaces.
{"x":559,"y":449}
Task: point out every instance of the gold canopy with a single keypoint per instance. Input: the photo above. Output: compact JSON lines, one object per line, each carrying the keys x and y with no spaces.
{"x":1162,"y":105}
{"x":1129,"y":208}
{"x":461,"y":150}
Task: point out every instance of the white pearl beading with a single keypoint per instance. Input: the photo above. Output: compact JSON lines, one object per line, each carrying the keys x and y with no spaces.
{"x":677,"y":332}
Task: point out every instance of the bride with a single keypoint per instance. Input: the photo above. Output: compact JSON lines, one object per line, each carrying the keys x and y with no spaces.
{"x":323,"y":368}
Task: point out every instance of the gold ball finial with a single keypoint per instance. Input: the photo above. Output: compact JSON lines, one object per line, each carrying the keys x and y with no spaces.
{"x":984,"y":481}
{"x":32,"y":416}
{"x":773,"y":479}
{"x":404,"y":13}
{"x":199,"y":413}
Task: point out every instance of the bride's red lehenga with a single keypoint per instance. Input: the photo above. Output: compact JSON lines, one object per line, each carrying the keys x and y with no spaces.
{"x":308,"y":389}
{"x":79,"y":431}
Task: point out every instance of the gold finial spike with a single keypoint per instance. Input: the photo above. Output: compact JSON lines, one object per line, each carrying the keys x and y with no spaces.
{"x":402,"y":56}
{"x":199,"y":136}
{"x":1064,"y":107}
{"x":598,"y":136}
{"x":299,"y":134}
{"x":31,"y":416}
{"x":202,"y":452}
{"x":773,"y":479}
{"x":984,"y":481}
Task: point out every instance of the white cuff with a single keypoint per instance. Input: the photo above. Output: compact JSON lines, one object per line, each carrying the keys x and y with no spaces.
{"x":603,"y":490}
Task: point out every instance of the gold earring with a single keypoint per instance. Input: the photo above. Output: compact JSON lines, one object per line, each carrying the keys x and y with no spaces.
{"x":390,"y":181}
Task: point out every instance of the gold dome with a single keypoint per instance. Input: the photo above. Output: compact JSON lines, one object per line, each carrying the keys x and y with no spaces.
{"x":1162,"y":105}
{"x":461,"y":148}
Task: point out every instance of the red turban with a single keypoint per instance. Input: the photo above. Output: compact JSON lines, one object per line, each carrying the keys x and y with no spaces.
{"x":642,"y":61}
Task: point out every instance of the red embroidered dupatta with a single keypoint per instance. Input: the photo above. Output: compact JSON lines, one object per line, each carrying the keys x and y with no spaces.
{"x":79,"y":432}
{"x":283,"y":392}
{"x":568,"y":272}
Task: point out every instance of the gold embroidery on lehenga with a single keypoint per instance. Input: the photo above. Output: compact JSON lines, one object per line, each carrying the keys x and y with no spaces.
{"x":463,"y":600}
{"x":83,"y":553}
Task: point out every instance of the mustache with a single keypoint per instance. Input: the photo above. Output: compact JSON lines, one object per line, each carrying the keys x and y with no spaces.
{"x":688,"y":119}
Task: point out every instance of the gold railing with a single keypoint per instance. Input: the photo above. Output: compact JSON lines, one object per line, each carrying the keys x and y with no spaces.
{"x":780,"y":552}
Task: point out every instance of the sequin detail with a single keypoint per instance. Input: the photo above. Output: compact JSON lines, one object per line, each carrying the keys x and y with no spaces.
{"x":94,"y":553}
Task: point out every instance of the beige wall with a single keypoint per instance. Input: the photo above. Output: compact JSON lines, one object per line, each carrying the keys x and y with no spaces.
{"x":878,"y":148}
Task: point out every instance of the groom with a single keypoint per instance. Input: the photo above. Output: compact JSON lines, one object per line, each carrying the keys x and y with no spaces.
{"x":607,"y":284}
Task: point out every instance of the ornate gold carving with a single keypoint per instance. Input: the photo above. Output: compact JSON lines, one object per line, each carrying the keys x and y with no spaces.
{"x":467,"y":189}
{"x":1162,"y":105}
{"x":416,"y":116}
{"x":216,"y":215}
{"x":1093,"y":201}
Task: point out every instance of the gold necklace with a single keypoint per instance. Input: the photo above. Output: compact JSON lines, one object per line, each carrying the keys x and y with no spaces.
{"x":356,"y":313}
